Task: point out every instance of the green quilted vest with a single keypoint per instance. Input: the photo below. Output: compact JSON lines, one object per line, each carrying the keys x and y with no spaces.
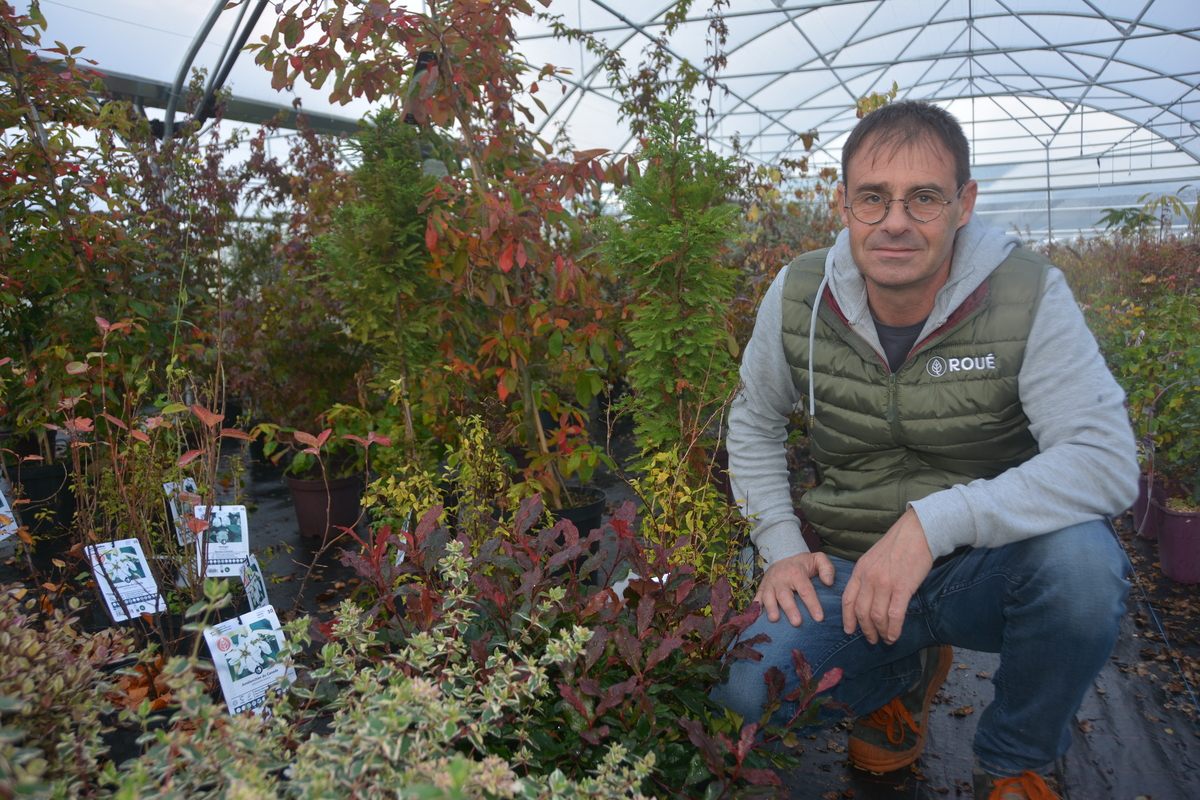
{"x":949,"y":415}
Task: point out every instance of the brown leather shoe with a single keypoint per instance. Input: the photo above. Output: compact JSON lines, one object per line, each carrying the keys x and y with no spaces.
{"x":893,"y":736}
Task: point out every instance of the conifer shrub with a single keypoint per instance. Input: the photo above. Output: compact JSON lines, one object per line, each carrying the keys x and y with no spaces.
{"x":678,"y":221}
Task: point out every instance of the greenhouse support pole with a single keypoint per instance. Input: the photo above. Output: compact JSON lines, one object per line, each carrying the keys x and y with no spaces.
{"x":205,"y":109}
{"x":1049,"y":213}
{"x":188,"y":58}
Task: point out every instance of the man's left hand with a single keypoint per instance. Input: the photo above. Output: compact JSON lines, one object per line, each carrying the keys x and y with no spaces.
{"x":885,"y":579}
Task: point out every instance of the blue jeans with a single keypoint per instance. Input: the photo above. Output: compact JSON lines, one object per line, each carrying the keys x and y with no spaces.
{"x":1050,"y":606}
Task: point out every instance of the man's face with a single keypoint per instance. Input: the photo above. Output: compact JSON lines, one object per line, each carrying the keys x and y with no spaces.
{"x":900,"y":253}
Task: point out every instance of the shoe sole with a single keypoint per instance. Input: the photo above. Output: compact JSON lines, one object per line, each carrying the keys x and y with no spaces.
{"x":876,"y":759}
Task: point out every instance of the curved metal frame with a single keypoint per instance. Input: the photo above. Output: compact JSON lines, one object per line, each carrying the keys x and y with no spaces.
{"x":975,"y":74}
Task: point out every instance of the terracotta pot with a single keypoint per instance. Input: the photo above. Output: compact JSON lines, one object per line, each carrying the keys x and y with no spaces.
{"x":1179,"y":545}
{"x":1154,"y":502}
{"x":323,"y":507}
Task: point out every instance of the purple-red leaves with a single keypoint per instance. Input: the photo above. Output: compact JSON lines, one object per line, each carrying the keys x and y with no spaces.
{"x":317,"y":441}
{"x":664,"y":649}
{"x":115,"y":421}
{"x":79,"y":425}
{"x":207,"y":417}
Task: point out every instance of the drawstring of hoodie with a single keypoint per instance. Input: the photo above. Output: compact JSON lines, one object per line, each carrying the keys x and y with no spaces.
{"x":812,"y":335}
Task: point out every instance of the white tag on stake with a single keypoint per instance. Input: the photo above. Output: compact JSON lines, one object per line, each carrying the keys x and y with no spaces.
{"x":245,"y":654}
{"x":125,"y":579}
{"x":225,"y":542}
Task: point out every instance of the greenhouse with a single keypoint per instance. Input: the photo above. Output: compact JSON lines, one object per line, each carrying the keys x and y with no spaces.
{"x":512,"y":399}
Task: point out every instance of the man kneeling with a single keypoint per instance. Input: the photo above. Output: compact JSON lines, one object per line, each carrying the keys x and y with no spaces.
{"x":970,"y":445}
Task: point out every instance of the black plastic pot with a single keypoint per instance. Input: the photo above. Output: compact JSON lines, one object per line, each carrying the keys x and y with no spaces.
{"x":50,"y":496}
{"x":1149,"y":504}
{"x":587,"y":515}
{"x":121,"y":738}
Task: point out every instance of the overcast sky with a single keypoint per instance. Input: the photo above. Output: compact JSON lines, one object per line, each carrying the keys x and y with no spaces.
{"x":149,"y":38}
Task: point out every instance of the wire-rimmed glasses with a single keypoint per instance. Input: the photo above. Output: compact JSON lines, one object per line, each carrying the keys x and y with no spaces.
{"x":923,"y":205}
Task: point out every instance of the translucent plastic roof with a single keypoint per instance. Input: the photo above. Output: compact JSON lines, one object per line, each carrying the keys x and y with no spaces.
{"x":1079,"y":104}
{"x":1072,"y":106}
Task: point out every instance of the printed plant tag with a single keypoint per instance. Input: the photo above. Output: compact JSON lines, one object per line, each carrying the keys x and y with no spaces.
{"x":226,"y":540}
{"x":255,"y":583}
{"x":8,"y":529}
{"x":404,"y":534}
{"x":181,"y":499}
{"x":125,"y":579}
{"x":8,"y":520}
{"x":245,"y":653}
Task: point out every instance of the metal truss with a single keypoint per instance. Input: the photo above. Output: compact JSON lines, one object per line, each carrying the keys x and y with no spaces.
{"x":1120,"y":58}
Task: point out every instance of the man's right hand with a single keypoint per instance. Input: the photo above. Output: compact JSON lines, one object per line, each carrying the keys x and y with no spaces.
{"x":793,"y":576}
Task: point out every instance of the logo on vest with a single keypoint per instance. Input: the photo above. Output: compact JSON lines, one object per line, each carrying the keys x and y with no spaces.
{"x":938,"y":366}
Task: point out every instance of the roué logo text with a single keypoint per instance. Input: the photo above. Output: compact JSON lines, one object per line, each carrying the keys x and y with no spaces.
{"x":938,"y":366}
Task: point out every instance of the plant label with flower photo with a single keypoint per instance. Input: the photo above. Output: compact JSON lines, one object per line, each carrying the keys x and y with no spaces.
{"x":181,"y":499}
{"x":225,"y":543}
{"x":7,"y":518}
{"x":8,"y":526}
{"x":245,"y":654}
{"x":125,"y":579}
{"x":255,"y":583}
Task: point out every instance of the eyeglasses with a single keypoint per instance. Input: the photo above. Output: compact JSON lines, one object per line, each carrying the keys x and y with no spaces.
{"x":923,"y":205}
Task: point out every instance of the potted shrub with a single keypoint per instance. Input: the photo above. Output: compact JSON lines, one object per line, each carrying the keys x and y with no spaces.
{"x":1153,"y":349}
{"x":678,"y":219}
{"x":327,"y":470}
{"x":376,"y":266}
{"x":1179,"y":530}
{"x":502,"y":226}
{"x":1155,"y":354}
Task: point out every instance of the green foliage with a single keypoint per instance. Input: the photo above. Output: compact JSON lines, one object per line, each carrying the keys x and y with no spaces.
{"x":1128,"y":222}
{"x":1153,"y":350}
{"x":508,"y":682}
{"x":709,"y":532}
{"x":875,"y":100}
{"x":411,"y":721}
{"x":1167,"y":206}
{"x":678,"y":220}
{"x":51,"y":699}
{"x":503,"y":227}
{"x":378,"y":267}
{"x":67,"y":191}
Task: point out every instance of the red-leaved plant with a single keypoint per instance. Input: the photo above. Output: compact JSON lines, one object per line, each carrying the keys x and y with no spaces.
{"x":644,"y":676}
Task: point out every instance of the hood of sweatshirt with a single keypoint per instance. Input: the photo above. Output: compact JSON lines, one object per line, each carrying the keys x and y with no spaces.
{"x":978,"y":249}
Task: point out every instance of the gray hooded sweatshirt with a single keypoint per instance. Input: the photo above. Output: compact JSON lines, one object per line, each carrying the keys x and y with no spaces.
{"x":1086,"y":467}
